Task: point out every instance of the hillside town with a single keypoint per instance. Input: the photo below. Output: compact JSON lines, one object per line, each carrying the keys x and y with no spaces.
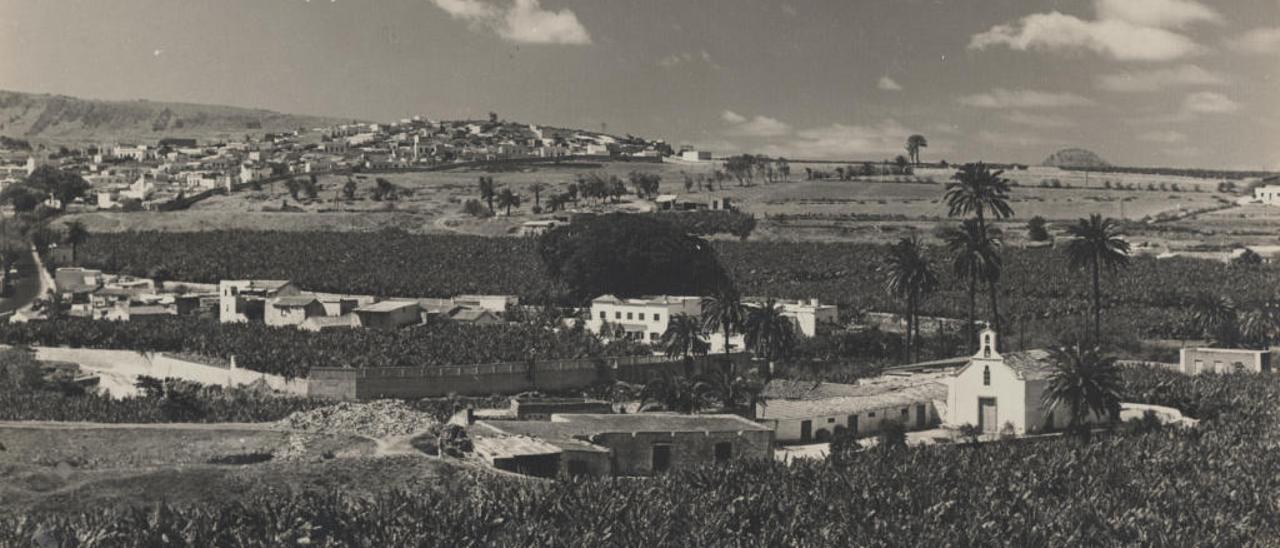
{"x":132,"y":176}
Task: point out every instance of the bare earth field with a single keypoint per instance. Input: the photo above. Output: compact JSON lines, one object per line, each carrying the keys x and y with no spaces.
{"x":75,"y":466}
{"x":874,"y":209}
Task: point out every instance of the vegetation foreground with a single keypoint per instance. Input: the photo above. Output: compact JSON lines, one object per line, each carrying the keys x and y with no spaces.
{"x":1211,"y":485}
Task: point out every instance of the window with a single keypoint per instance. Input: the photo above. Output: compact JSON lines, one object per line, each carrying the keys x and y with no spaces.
{"x":661,"y":458}
{"x":628,"y":315}
{"x":642,"y":316}
{"x":724,"y":451}
{"x":872,"y":414}
{"x":617,"y":315}
{"x":832,"y":419}
{"x":603,"y":315}
{"x":653,"y":336}
{"x":657,"y":318}
{"x":986,"y":376}
{"x":906,"y":413}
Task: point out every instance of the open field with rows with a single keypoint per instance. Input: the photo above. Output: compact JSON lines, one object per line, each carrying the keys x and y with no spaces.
{"x":874,"y":209}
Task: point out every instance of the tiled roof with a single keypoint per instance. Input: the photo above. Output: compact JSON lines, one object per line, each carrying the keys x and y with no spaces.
{"x":849,"y":405}
{"x":570,"y":425}
{"x":815,"y":390}
{"x":386,"y":306}
{"x":294,"y":302}
{"x":1030,"y":364}
{"x":501,"y":447}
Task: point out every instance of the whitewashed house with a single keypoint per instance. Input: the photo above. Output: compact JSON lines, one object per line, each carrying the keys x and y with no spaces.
{"x":641,"y":319}
{"x":999,"y":392}
{"x":859,"y":410}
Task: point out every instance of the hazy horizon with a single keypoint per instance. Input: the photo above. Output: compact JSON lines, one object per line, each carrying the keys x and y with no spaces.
{"x":1141,"y":82}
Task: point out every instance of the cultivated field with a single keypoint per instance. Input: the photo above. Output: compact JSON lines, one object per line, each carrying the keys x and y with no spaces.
{"x":873,"y":209}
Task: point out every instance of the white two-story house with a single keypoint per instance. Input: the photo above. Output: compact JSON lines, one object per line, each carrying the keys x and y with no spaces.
{"x":641,"y":319}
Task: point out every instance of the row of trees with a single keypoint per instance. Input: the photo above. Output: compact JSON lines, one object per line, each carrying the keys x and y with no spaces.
{"x":975,"y":247}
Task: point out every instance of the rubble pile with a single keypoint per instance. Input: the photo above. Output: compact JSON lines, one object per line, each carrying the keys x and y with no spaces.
{"x":377,"y":419}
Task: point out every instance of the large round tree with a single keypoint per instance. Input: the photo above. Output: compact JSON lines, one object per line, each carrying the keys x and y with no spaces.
{"x":628,"y":256}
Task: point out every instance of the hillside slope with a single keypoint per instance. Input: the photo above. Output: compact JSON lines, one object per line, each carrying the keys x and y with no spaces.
{"x":68,"y":120}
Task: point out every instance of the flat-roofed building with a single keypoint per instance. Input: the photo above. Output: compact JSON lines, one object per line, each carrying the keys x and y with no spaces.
{"x":642,"y":444}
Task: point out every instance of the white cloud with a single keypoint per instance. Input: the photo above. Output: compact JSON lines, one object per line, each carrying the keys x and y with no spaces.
{"x":1157,"y":13}
{"x":888,"y":84}
{"x":1208,"y":102}
{"x":1126,"y":30}
{"x":1263,"y":41}
{"x":1166,"y":136}
{"x":845,"y":142}
{"x":1158,"y":79}
{"x":522,"y":22}
{"x":468,"y":9}
{"x":677,"y":59}
{"x":1039,"y":120}
{"x":1023,"y":98}
{"x":760,"y":126}
{"x":1012,"y":140}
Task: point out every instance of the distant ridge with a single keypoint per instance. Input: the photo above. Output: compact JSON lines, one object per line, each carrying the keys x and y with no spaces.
{"x":1075,"y":157}
{"x":70,"y":120}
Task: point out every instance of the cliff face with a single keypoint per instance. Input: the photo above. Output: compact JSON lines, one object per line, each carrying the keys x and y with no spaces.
{"x":1074,"y":157}
{"x":62,"y":119}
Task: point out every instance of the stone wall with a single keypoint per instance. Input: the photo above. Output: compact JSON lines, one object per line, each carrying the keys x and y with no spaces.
{"x":500,"y":378}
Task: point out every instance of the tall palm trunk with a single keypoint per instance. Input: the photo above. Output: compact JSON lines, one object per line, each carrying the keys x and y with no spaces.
{"x":1097,"y":302}
{"x":972,"y":335}
{"x":995,"y":311}
{"x":911,"y":313}
{"x":991,"y":286}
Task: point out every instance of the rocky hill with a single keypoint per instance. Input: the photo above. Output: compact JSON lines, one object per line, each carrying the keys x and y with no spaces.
{"x":68,"y":120}
{"x":1075,"y":157}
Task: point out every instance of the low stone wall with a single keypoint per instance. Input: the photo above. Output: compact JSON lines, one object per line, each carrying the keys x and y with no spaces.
{"x":498,"y":378}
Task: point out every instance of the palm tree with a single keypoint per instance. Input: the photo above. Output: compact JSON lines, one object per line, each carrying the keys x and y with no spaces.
{"x":674,"y":393}
{"x":537,"y":189}
{"x":911,"y":277}
{"x":1096,"y":243}
{"x":683,"y":339}
{"x":1084,"y":381}
{"x":914,"y":144}
{"x":976,"y":259}
{"x":488,"y":191}
{"x":1260,"y":326}
{"x":978,"y":190}
{"x":76,"y":234}
{"x":723,"y":311}
{"x":1215,"y":316}
{"x":731,"y":390}
{"x":769,"y":334}
{"x":508,"y":199}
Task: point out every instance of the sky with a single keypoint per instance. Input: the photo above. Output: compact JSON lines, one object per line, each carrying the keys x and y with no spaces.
{"x":1142,"y":82}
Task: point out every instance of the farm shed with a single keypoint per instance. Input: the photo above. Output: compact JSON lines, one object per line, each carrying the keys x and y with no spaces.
{"x":861,"y":412}
{"x":1225,"y":360}
{"x":643,"y":444}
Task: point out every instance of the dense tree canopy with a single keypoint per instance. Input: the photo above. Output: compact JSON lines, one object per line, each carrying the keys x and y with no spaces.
{"x":629,"y":255}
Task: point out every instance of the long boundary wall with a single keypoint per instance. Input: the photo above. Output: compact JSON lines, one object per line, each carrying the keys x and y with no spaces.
{"x":498,"y":378}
